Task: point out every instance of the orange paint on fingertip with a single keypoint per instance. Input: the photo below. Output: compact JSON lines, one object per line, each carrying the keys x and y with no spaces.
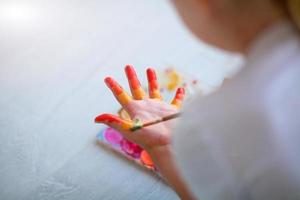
{"x":146,"y":159}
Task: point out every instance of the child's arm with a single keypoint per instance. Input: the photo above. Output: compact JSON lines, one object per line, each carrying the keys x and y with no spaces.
{"x":154,"y":139}
{"x":165,"y":162}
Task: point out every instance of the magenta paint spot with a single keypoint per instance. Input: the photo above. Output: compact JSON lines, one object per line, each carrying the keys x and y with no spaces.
{"x":112,"y":136}
{"x":131,"y":149}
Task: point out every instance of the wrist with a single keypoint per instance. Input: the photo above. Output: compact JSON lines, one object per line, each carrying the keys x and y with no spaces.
{"x":159,"y":155}
{"x":163,"y":158}
{"x":158,"y":152}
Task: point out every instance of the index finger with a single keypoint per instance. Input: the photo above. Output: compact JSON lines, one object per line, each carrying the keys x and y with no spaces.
{"x":122,"y":96}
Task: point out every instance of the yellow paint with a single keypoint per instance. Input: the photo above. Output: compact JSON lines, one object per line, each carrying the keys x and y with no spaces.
{"x":138,"y":93}
{"x":126,"y":125}
{"x":124,"y":98}
{"x":176,"y":103}
{"x":156,"y":94}
{"x":174,"y":78}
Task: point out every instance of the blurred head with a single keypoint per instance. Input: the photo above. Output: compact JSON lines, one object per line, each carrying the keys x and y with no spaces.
{"x":232,"y":24}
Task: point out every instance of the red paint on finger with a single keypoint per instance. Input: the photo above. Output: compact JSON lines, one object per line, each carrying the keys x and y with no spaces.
{"x":153,"y":85}
{"x":113,"y":85}
{"x":108,"y":118}
{"x":132,"y":78}
{"x":130,"y":71}
{"x":180,"y":94}
{"x":134,"y":83}
{"x":151,"y":75}
{"x":152,"y":79}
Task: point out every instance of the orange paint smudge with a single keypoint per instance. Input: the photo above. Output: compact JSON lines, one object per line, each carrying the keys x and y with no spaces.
{"x":146,"y":159}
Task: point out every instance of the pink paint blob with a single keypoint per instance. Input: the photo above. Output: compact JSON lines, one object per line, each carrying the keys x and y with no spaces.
{"x":112,"y":136}
{"x":130,"y":148}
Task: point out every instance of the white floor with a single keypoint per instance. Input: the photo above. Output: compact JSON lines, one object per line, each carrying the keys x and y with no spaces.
{"x":54,"y":55}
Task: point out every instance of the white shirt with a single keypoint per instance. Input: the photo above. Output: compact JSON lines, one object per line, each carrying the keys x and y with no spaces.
{"x":243,"y":142}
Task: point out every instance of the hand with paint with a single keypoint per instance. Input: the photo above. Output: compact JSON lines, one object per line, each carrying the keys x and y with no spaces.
{"x":155,"y":139}
{"x":142,"y":108}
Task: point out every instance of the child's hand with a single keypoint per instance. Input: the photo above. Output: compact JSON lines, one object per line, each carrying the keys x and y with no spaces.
{"x":142,"y":107}
{"x":154,"y":139}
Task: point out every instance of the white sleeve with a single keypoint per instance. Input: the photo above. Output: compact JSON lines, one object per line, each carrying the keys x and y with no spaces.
{"x":225,"y":148}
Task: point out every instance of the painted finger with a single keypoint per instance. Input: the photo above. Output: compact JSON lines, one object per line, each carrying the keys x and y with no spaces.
{"x":153,"y":84}
{"x":177,"y":101}
{"x":122,"y":96}
{"x":134,"y":83}
{"x":114,"y":122}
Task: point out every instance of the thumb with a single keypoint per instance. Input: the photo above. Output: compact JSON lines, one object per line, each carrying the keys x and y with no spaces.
{"x":114,"y":122}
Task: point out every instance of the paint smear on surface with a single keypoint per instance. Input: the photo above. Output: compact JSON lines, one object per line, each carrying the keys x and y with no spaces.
{"x":112,"y":136}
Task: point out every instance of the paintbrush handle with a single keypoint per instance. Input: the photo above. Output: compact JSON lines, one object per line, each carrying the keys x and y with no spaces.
{"x":138,"y":125}
{"x":163,"y":119}
{"x":173,"y":116}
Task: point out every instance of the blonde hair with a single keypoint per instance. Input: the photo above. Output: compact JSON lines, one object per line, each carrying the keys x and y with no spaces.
{"x":294,"y":11}
{"x":291,"y":9}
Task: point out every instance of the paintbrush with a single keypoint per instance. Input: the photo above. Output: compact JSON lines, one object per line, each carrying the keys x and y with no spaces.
{"x":138,"y":124}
